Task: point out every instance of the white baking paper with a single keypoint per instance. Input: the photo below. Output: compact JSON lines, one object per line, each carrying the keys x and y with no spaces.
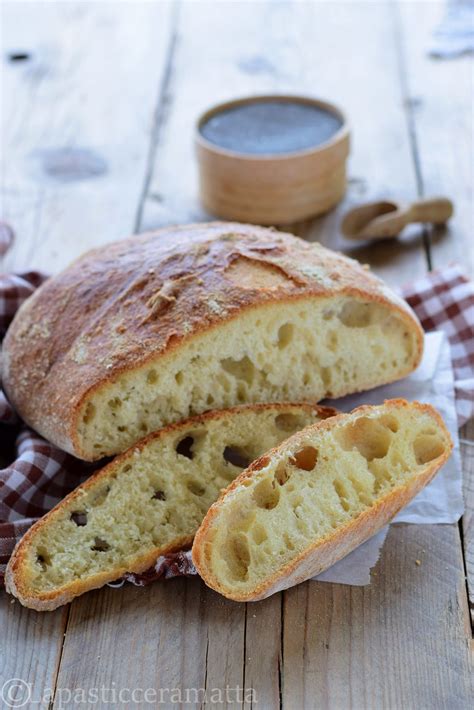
{"x":441,"y":501}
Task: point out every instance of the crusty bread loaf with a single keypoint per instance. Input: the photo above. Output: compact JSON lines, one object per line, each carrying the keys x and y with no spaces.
{"x":324,"y":491}
{"x":147,"y":502}
{"x":145,"y":332}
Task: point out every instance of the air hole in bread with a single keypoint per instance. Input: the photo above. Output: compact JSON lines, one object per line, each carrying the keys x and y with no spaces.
{"x":356,"y":315}
{"x":266,"y":495}
{"x":159,"y":495}
{"x":244,"y":524}
{"x":370,"y":438}
{"x":190,"y":445}
{"x":379,"y":469}
{"x":115,"y":403}
{"x":342,"y":494}
{"x":295,"y":502}
{"x":237,"y":456}
{"x":127,"y":468}
{"x":282,"y":474}
{"x":243,"y":369}
{"x":289,"y":422}
{"x":152,"y":377}
{"x":101,"y":496}
{"x":42,"y":558}
{"x":427,"y":447}
{"x":301,"y":525}
{"x":100,"y":545}
{"x":79,"y":517}
{"x":390,"y":422}
{"x":184,"y":447}
{"x":223,"y":381}
{"x":122,"y":428}
{"x":237,"y":555}
{"x":364,"y":495}
{"x":259,"y":534}
{"x":408,"y":344}
{"x":89,"y":414}
{"x":332,"y":341}
{"x":306,"y":458}
{"x":179,"y":377}
{"x":241,"y":393}
{"x":326,"y":377}
{"x":285,"y":335}
{"x":195,"y":487}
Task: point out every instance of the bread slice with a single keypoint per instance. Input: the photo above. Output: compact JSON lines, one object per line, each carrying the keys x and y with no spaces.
{"x":145,"y":503}
{"x":310,"y":501}
{"x":149,"y":331}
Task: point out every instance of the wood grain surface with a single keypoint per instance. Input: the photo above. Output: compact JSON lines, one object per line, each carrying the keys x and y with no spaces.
{"x":97,"y":142}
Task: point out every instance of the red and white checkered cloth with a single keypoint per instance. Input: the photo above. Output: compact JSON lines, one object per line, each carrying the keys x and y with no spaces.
{"x":37,"y":474}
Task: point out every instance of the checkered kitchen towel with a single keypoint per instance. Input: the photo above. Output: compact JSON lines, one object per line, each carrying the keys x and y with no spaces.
{"x":37,"y":475}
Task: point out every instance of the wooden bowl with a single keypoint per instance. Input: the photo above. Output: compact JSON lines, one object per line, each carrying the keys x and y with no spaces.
{"x":274,"y":188}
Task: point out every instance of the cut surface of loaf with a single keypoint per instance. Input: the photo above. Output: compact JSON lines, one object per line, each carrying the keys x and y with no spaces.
{"x":145,"y":332}
{"x":325,"y":490}
{"x":145,"y":503}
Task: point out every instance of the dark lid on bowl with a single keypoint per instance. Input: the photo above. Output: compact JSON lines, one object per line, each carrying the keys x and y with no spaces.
{"x":270,"y":126}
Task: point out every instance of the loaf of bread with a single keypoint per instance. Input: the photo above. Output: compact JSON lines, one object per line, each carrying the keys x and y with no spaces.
{"x":321,"y":493}
{"x":146,"y":503}
{"x":145,"y":332}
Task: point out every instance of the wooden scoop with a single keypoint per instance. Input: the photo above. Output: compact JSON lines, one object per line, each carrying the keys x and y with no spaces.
{"x":386,"y":219}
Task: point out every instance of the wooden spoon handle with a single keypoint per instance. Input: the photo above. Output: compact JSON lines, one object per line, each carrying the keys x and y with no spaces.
{"x":436,"y":210}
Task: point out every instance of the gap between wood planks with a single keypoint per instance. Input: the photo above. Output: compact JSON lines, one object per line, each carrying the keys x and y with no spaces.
{"x":159,"y":115}
{"x":59,"y":657}
{"x":410,"y":119}
{"x":467,"y":521}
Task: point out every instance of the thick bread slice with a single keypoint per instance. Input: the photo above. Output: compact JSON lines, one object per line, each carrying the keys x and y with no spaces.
{"x":324,"y":491}
{"x":145,"y":503}
{"x":149,"y":331}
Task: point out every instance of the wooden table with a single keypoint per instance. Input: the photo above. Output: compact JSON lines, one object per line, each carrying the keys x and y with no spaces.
{"x":97,"y":143}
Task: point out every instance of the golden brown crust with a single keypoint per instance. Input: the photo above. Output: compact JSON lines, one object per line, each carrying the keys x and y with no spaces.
{"x":121,"y":305}
{"x":324,"y":553}
{"x":15,"y":582}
